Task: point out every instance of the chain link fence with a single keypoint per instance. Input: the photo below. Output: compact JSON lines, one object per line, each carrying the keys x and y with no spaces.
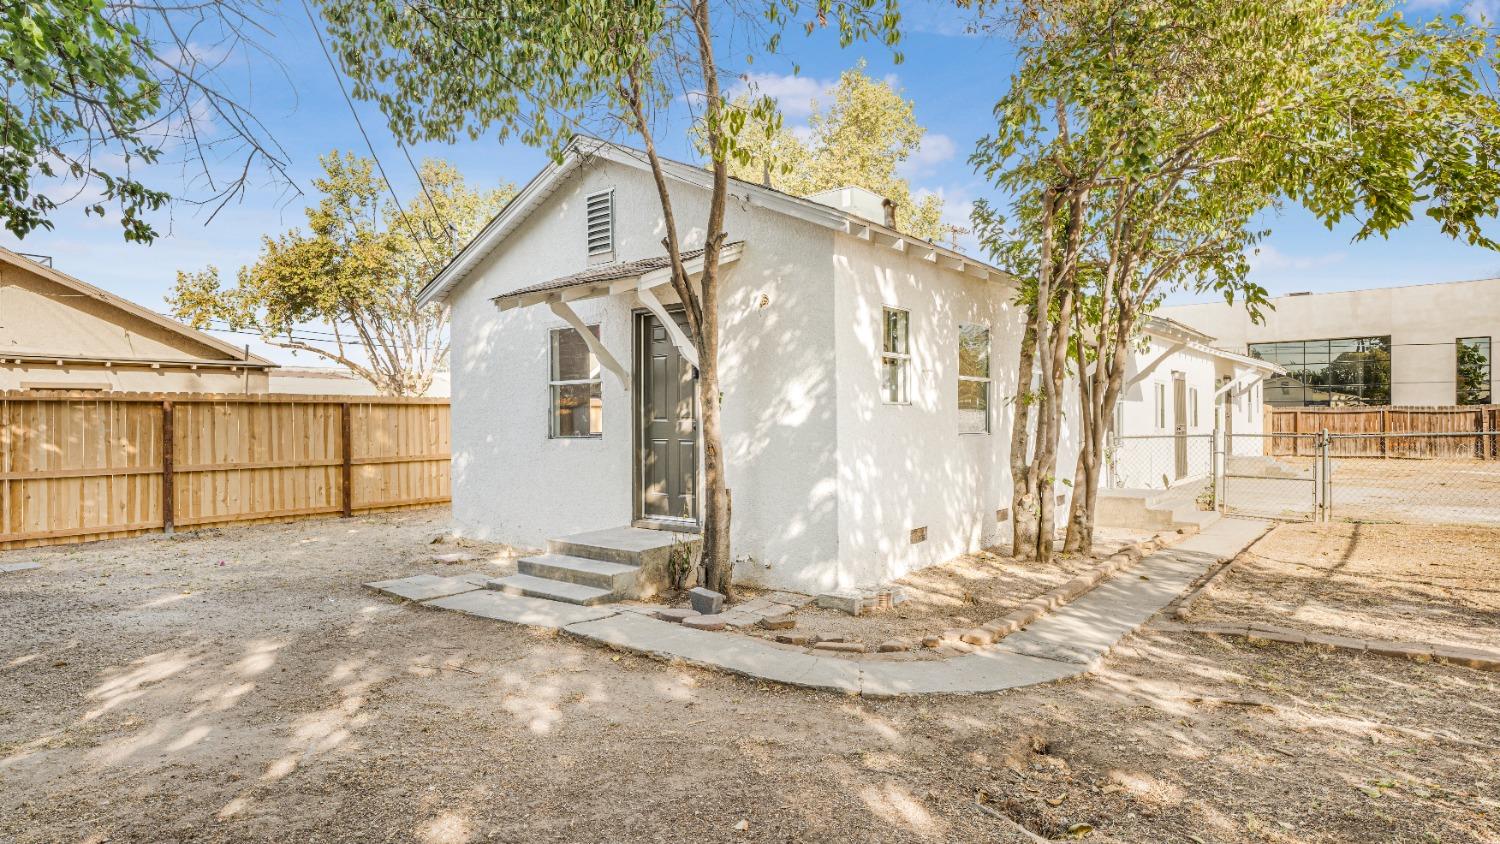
{"x":1449,"y":478}
{"x":1160,"y":461}
{"x":1271,"y":476}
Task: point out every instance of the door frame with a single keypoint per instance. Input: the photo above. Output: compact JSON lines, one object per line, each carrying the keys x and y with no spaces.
{"x":1180,"y":420}
{"x":639,"y":343}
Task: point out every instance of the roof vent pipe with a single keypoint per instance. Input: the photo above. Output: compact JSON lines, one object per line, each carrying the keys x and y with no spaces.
{"x":890,"y":213}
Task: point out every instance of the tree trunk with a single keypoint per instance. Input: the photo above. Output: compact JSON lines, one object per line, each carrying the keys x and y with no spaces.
{"x":1023,"y":502}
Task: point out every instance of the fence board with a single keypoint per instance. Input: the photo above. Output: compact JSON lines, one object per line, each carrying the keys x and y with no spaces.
{"x":78,"y":467}
{"x":1382,"y":429}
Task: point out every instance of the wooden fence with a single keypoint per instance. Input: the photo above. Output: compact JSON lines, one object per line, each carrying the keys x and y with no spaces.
{"x":79,"y":467}
{"x":1473,"y":431}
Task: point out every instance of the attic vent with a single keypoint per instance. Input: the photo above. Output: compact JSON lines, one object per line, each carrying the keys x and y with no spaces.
{"x":601,"y":223}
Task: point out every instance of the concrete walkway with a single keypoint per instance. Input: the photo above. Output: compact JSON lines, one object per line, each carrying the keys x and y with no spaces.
{"x":1069,"y":642}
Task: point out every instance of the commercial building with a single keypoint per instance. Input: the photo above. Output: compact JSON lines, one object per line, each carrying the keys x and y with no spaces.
{"x":1420,"y":345}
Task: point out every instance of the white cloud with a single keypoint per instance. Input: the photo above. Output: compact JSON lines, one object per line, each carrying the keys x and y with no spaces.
{"x":1487,"y":9}
{"x":1268,"y":258}
{"x":934,"y":150}
{"x":795,"y":95}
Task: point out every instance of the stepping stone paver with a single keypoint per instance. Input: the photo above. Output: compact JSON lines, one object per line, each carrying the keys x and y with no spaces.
{"x":676,"y":614}
{"x":425,"y":587}
{"x":704,"y":622}
{"x":6,"y":568}
{"x":518,"y":609}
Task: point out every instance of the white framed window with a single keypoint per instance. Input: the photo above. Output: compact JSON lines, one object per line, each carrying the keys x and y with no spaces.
{"x":973,"y":379}
{"x":1192,"y":397}
{"x":895,"y":356}
{"x":600,"y":229}
{"x":576,"y":400}
{"x":1161,"y":407}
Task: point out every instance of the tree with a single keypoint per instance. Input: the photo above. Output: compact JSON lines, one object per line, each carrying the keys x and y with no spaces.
{"x":1185,"y":119}
{"x":97,"y":92}
{"x":1473,"y":371}
{"x":544,"y":71}
{"x":358,"y":269}
{"x":860,"y":139}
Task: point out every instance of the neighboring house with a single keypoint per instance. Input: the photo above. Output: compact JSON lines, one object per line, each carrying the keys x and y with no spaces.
{"x":864,"y":375}
{"x":1422,"y":345}
{"x":1179,"y":388}
{"x":337,"y":381}
{"x":60,"y":333}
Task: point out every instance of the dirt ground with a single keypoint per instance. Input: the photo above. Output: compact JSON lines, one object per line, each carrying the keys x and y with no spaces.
{"x":965,"y":592}
{"x":242,"y":686}
{"x":1414,"y":583}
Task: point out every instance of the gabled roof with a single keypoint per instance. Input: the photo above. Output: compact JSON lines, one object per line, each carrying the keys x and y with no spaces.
{"x":231,"y":353}
{"x":1182,"y":332}
{"x":584,"y":149}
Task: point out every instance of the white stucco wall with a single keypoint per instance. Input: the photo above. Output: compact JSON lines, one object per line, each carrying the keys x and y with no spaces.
{"x":514,"y":484}
{"x":1147,"y":450}
{"x":1423,"y":321}
{"x":906,"y":466}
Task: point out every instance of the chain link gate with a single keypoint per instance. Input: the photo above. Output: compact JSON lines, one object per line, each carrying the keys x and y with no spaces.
{"x":1275,"y":476}
{"x":1450,"y":478}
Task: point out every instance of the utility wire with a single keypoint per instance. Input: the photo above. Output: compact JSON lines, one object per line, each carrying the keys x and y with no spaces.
{"x":339,"y":78}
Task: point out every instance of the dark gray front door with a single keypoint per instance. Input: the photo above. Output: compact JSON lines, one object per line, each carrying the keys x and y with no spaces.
{"x":667,"y":444}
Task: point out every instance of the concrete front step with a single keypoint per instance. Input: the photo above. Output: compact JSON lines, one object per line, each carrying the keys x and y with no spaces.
{"x":1152,"y":509}
{"x":555,"y":590}
{"x":630,"y":546}
{"x":616,"y":578}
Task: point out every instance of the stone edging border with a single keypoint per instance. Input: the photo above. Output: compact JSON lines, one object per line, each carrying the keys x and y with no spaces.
{"x":993,"y":632}
{"x":1476,"y":658}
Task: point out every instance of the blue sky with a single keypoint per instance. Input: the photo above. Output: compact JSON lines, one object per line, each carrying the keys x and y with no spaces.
{"x":953,"y":77}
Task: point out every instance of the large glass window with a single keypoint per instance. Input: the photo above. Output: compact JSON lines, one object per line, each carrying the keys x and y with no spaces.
{"x":1329,"y":373}
{"x":577,"y":395}
{"x":895,"y":356}
{"x":1473,"y":373}
{"x":973,"y":379}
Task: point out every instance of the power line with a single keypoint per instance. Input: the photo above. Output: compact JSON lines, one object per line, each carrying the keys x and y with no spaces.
{"x":339,"y":78}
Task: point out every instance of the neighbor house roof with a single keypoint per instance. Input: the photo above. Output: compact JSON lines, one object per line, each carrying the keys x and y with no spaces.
{"x":583,"y":149}
{"x":1184,"y":333}
{"x":232,"y":354}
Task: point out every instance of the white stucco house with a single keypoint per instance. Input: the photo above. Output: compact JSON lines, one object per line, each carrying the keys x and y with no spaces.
{"x":1179,"y":388}
{"x":867,"y":383}
{"x":859,"y":447}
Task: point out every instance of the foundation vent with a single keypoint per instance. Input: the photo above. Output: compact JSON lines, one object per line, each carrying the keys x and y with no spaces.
{"x":1002,"y":515}
{"x":919,"y":535}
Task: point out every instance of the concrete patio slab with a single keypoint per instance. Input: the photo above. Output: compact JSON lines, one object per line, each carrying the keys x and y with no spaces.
{"x":516,"y":609}
{"x":735,"y":654}
{"x":977,"y":673}
{"x":1084,"y":631}
{"x":425,"y":587}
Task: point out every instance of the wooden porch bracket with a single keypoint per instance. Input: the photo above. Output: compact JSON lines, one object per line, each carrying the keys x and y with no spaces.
{"x":680,"y":340}
{"x":606,"y":360}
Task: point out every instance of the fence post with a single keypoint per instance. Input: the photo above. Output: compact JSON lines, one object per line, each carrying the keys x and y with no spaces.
{"x":346,"y":441}
{"x":1326,"y":490}
{"x":1216,"y":464}
{"x":168,"y":494}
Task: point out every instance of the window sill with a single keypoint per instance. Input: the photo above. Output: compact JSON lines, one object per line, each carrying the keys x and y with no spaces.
{"x":575,"y":437}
